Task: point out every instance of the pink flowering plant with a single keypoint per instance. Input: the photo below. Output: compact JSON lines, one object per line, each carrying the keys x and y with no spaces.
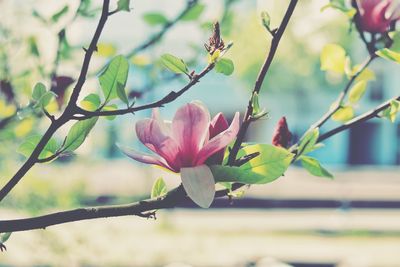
{"x":213,"y":158}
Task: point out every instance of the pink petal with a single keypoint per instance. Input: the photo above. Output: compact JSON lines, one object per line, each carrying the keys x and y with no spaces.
{"x":153,"y":134}
{"x":220,"y":141}
{"x":189,"y":130}
{"x":145,"y":158}
{"x":218,"y":125}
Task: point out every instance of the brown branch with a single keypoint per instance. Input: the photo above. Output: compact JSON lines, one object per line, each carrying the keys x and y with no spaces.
{"x":260,"y":79}
{"x":69,"y":111}
{"x":165,"y":100}
{"x":358,"y":120}
{"x":342,"y":95}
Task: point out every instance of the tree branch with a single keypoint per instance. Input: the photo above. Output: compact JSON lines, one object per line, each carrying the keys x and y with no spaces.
{"x":69,"y":111}
{"x":165,"y":100}
{"x":260,"y":79}
{"x":357,"y":120}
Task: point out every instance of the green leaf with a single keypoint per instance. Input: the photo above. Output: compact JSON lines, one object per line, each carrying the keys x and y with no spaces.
{"x":123,"y":5}
{"x":268,"y":166}
{"x":391,"y":112}
{"x":38,"y":91}
{"x":27,"y":147}
{"x":224,"y":66}
{"x":45,"y":99}
{"x":110,"y":108}
{"x":33,"y":48}
{"x":395,"y":36}
{"x":59,"y":14}
{"x":313,"y":166}
{"x":115,"y":73}
{"x":344,"y":114}
{"x":266,"y":20}
{"x":91,"y":102}
{"x":4,"y":237}
{"x":159,"y":188}
{"x":333,"y":58}
{"x":357,"y":91}
{"x":199,"y":184}
{"x":388,"y":54}
{"x":174,"y":64}
{"x":122,"y":93}
{"x":194,"y":13}
{"x":155,"y":19}
{"x":78,"y":133}
{"x":308,"y":142}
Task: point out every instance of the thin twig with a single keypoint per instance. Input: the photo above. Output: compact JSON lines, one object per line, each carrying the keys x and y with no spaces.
{"x":357,"y":120}
{"x":260,"y":79}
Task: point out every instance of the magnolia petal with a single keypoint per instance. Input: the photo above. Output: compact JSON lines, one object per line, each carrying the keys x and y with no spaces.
{"x":199,"y":184}
{"x":218,"y":124}
{"x":145,"y":158}
{"x":153,"y":135}
{"x":220,"y":141}
{"x":189,"y":129}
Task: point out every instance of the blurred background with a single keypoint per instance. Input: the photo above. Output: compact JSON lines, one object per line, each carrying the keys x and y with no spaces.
{"x":298,"y":220}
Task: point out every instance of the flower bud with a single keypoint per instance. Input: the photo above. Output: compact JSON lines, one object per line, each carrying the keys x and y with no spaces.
{"x":375,"y":16}
{"x":282,"y":135}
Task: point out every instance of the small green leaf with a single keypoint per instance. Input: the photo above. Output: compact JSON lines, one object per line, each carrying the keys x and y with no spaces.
{"x":78,"y":133}
{"x":269,"y":165}
{"x":123,"y":5}
{"x":344,"y":114}
{"x":122,"y":93}
{"x":391,"y":112}
{"x":266,"y":20}
{"x":308,"y":142}
{"x":193,"y":13}
{"x":45,"y":99}
{"x":333,"y":58}
{"x":313,"y":166}
{"x":159,"y":188}
{"x":27,"y":147}
{"x":59,"y":14}
{"x":4,"y":237}
{"x":388,"y":54}
{"x":33,"y":48}
{"x":115,"y":73}
{"x":155,"y":19}
{"x":110,"y":108}
{"x":91,"y":102}
{"x":357,"y":91}
{"x":224,"y":66}
{"x":38,"y":91}
{"x":174,"y":64}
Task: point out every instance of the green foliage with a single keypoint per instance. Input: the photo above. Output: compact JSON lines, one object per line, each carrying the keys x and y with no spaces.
{"x":4,"y":237}
{"x":27,"y":147}
{"x":78,"y":133}
{"x":266,"y":20}
{"x":343,"y":114}
{"x":313,"y":166}
{"x":391,"y":112}
{"x":258,"y":112}
{"x":59,"y":14}
{"x":308,"y":142}
{"x":41,"y":96}
{"x":333,"y":58}
{"x":121,"y":93}
{"x":224,"y":66}
{"x":389,"y":54}
{"x":174,"y":64}
{"x":194,"y":13}
{"x":269,"y":165}
{"x":357,"y":91}
{"x":91,"y":102}
{"x":38,"y":91}
{"x":155,"y":19}
{"x":342,"y":6}
{"x":110,"y":108}
{"x":159,"y":188}
{"x":123,"y":5}
{"x":115,"y":75}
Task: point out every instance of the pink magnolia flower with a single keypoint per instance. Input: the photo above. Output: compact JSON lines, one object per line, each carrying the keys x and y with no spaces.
{"x":375,"y":16}
{"x":188,"y":141}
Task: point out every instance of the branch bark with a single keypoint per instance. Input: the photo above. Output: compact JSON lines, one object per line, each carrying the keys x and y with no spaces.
{"x":260,"y":79}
